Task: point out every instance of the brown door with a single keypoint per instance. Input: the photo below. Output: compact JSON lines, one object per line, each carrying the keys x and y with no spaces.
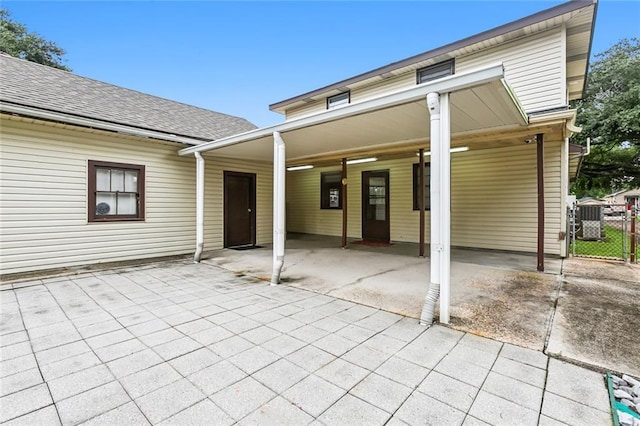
{"x":375,"y":206}
{"x":239,"y":209}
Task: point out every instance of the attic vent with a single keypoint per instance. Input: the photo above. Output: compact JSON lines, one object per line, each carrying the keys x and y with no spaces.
{"x":434,"y":72}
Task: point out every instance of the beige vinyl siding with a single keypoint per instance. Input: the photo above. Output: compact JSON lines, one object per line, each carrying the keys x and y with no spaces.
{"x":493,"y":200}
{"x":43,"y":211}
{"x":534,"y":68}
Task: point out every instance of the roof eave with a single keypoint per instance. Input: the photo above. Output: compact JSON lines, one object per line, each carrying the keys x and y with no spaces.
{"x":28,"y":111}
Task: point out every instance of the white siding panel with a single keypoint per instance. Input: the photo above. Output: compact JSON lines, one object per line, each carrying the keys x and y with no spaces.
{"x":534,"y":67}
{"x":43,"y":210}
{"x":493,"y":200}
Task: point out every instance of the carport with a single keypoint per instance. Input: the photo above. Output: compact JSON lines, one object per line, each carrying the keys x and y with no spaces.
{"x":475,"y":107}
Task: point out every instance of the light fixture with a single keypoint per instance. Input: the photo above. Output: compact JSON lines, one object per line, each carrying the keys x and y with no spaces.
{"x":458,"y":149}
{"x":362,"y":160}
{"x":305,"y":167}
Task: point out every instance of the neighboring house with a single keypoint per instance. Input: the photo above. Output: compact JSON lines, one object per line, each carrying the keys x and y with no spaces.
{"x":621,"y":197}
{"x":89,"y":172}
{"x":499,"y":100}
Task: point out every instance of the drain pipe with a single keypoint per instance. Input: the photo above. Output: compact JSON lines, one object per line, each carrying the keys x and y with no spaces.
{"x":278,"y":206}
{"x":426,"y":317}
{"x":199,"y":207}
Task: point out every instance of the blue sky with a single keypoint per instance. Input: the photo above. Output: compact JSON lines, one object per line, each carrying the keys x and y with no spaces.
{"x":239,"y":57}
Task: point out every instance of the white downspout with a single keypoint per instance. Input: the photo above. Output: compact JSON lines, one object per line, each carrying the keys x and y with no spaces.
{"x":445,"y":213}
{"x":426,"y":317}
{"x":199,"y":207}
{"x":279,"y":172}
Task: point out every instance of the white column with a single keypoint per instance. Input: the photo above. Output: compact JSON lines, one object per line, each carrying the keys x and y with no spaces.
{"x":199,"y":207}
{"x":440,"y":238}
{"x":426,"y":317}
{"x":445,"y":208}
{"x":433,"y":101}
{"x":279,"y":231}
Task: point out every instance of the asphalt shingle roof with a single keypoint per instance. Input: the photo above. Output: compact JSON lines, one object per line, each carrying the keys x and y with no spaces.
{"x":29,"y":84}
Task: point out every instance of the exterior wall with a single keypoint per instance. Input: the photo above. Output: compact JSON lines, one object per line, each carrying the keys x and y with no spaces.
{"x":43,"y":187}
{"x":493,"y":199}
{"x":534,"y":67}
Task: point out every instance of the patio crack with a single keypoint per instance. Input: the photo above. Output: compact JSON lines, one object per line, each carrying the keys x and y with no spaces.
{"x":361,"y":279}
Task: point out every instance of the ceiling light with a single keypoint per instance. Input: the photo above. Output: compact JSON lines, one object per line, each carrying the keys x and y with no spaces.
{"x":362,"y":160}
{"x":305,"y":167}
{"x":458,"y":149}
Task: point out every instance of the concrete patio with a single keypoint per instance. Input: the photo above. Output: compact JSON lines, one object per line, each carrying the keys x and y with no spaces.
{"x":493,"y":294}
{"x":180,"y":343}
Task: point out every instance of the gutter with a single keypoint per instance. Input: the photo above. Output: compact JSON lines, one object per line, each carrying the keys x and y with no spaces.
{"x":93,"y":123}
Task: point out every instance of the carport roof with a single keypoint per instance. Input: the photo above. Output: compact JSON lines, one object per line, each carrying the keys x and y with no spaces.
{"x":481,"y":101}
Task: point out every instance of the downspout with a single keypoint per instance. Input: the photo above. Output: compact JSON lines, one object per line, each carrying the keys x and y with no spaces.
{"x":426,"y":317}
{"x":278,"y":206}
{"x":540,"y":176}
{"x":445,"y":210}
{"x":199,"y":207}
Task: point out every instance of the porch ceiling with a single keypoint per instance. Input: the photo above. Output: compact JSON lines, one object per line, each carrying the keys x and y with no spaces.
{"x":488,"y":107}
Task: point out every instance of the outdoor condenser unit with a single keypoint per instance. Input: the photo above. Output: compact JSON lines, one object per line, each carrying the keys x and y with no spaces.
{"x":591,"y":230}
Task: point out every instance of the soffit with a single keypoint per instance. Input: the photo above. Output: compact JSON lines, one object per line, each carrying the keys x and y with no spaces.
{"x":489,"y":107}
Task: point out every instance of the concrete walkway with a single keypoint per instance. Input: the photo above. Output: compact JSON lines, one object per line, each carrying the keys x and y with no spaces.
{"x":178,"y":343}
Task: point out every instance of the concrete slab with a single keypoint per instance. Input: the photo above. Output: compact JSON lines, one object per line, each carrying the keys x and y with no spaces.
{"x":493,"y":294}
{"x":597,"y":315}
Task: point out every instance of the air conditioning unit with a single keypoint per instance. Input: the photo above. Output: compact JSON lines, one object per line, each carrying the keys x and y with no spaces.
{"x":591,"y":230}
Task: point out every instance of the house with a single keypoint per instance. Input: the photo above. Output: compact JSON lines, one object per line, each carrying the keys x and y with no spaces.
{"x":622,"y":197}
{"x":489,"y":118}
{"x":464,"y":145}
{"x":89,"y":172}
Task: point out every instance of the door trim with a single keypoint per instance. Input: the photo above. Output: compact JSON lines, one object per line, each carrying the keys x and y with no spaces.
{"x":363,"y":201}
{"x":252,"y":186}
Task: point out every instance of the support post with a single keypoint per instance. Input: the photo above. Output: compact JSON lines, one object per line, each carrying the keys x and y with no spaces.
{"x":278,"y":206}
{"x":540,"y":173}
{"x":633,"y":214}
{"x":445,"y":209}
{"x":421,"y":199}
{"x":344,"y":202}
{"x":199,"y":207}
{"x":426,"y":317}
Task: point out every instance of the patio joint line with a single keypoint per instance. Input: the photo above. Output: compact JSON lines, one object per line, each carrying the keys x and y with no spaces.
{"x":554,"y":310}
{"x":26,"y":330}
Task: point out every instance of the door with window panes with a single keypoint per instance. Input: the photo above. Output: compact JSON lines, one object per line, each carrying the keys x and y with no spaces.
{"x":375,"y":206}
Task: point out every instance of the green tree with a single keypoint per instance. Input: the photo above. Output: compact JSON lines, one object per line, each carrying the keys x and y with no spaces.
{"x":609,"y":114}
{"x":17,"y":41}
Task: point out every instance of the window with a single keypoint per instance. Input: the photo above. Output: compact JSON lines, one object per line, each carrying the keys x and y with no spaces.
{"x":427,"y":186}
{"x":331,"y":190}
{"x":436,"y":71}
{"x":116,"y":192}
{"x":337,"y":100}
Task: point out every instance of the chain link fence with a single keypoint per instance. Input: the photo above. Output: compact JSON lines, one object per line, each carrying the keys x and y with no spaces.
{"x":606,"y":231}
